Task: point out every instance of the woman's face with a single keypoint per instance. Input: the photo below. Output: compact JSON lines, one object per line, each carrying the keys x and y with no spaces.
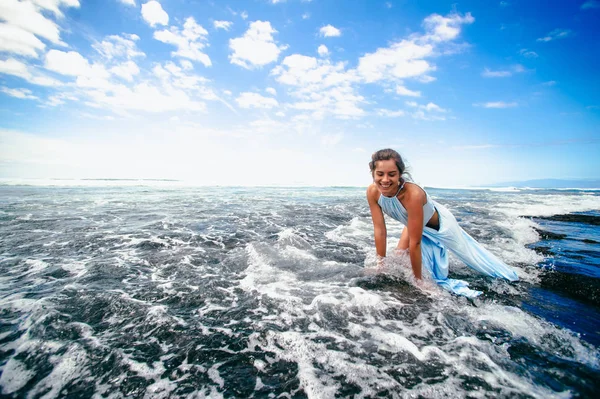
{"x":387,"y":177}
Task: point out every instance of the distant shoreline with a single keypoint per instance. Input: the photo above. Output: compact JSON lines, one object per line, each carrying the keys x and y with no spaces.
{"x":552,"y":184}
{"x":585,"y":185}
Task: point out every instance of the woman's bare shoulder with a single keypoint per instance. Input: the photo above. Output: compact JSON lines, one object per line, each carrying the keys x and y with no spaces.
{"x":372,"y":192}
{"x":414,"y":193}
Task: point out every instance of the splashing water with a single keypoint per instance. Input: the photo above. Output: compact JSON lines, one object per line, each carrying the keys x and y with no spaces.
{"x":263,"y":292}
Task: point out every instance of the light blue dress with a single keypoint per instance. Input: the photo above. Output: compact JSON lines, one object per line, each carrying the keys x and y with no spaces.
{"x":449,"y":236}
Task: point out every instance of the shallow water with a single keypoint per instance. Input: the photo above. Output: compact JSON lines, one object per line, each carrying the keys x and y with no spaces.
{"x":271,"y":292}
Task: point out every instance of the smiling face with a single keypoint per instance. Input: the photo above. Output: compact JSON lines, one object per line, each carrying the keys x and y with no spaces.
{"x":386,"y":177}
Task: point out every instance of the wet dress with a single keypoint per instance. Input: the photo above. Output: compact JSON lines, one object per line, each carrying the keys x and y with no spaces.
{"x":449,"y":236}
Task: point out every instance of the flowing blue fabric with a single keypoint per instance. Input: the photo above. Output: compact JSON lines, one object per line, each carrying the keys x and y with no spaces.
{"x":449,"y":236}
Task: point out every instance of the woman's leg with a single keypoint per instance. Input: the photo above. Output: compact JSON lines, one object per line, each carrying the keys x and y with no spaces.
{"x":468,"y":250}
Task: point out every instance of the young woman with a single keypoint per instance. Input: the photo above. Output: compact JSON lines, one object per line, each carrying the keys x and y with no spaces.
{"x":430,"y":227}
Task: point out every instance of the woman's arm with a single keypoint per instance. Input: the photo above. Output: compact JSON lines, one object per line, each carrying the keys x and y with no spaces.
{"x":378,"y":221}
{"x":414,"y":208}
{"x":403,"y":242}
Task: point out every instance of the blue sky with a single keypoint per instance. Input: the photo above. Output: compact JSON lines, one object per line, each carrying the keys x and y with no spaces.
{"x":268,"y":92}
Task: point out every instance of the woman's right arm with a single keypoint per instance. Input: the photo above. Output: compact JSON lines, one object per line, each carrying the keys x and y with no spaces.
{"x":378,"y":221}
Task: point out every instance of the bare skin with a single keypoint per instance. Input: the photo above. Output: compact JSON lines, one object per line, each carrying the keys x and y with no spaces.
{"x":387,"y":181}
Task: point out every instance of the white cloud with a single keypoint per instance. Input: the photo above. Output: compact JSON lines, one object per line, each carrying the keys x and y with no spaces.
{"x":14,"y":67}
{"x":97,"y":86}
{"x":403,"y":91}
{"x":488,"y":73}
{"x":146,"y":97}
{"x":320,"y":87}
{"x":126,"y":70}
{"x":422,"y":115}
{"x":116,"y":46}
{"x":25,"y":23}
{"x":59,"y":99}
{"x":496,"y":104}
{"x":117,"y":53}
{"x":73,"y":64}
{"x":323,"y":50}
{"x":255,"y":100}
{"x":244,"y":15}
{"x":24,"y":71}
{"x":28,"y":16}
{"x":54,"y":101}
{"x":306,"y":15}
{"x":271,"y":91}
{"x":400,"y":60}
{"x":427,"y":112}
{"x":256,"y":48}
{"x":128,"y":2}
{"x":187,"y":65}
{"x":590,"y":4}
{"x":19,"y":93}
{"x":189,"y":41}
{"x":433,"y":107}
{"x":332,"y":139}
{"x":441,"y":29}
{"x":222,"y":24}
{"x":311,"y":73}
{"x":173,"y":77}
{"x":426,"y":107}
{"x":266,"y":126}
{"x":176,"y":90}
{"x":153,"y":14}
{"x":408,"y":57}
{"x":16,"y":40}
{"x":54,"y":5}
{"x":555,"y":34}
{"x":330,"y":31}
{"x":96,"y":117}
{"x":426,"y":79}
{"x":390,"y":114}
{"x":549,"y":83}
{"x":528,"y":53}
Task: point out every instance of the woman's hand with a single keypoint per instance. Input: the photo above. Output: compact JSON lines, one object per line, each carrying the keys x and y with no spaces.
{"x":380,"y":261}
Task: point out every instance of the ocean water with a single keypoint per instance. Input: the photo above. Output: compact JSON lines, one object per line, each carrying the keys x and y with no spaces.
{"x":162,"y":291}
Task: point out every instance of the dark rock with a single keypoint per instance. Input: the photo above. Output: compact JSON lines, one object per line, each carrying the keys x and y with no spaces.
{"x":548,"y":235}
{"x":578,"y":286}
{"x":588,"y":241}
{"x":574,"y":218}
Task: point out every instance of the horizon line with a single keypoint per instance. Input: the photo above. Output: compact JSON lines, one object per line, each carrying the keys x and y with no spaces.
{"x":190,"y":183}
